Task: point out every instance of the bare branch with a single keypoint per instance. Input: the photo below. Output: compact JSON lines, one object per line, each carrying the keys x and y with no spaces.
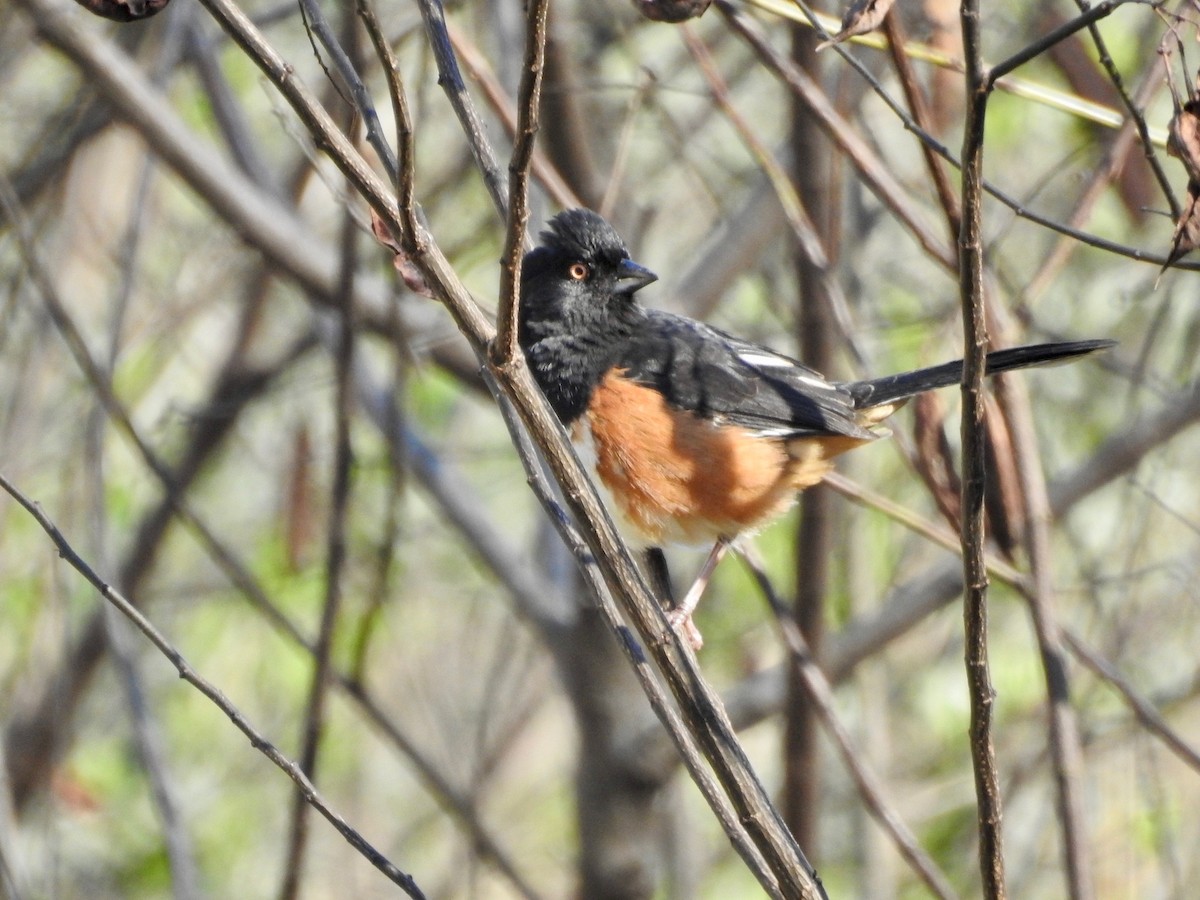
{"x":974,"y":436}
{"x":348,"y":72}
{"x":516,"y":240}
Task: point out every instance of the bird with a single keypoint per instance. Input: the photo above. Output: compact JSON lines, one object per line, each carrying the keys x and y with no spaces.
{"x":695,"y":436}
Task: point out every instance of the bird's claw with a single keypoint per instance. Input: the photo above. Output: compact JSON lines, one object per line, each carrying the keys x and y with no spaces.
{"x":681,"y":623}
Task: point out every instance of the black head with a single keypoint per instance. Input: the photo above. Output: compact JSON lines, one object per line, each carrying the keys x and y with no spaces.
{"x":580,"y":274}
{"x":577,"y":305}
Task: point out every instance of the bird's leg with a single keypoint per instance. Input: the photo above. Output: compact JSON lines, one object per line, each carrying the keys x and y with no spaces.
{"x":654,"y":561}
{"x":681,"y":616}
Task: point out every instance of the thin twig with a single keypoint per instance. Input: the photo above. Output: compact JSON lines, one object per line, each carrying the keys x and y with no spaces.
{"x":1086,"y":19}
{"x":394,"y":418}
{"x":1116,"y":157}
{"x":101,"y":385}
{"x":516,"y":239}
{"x":1016,"y":206}
{"x":698,"y":703}
{"x":934,"y":532}
{"x":504,"y":107}
{"x":185,"y":876}
{"x":273,"y":229}
{"x":228,"y":116}
{"x":807,"y":236}
{"x":209,"y":690}
{"x":405,"y":175}
{"x":918,"y":108}
{"x":800,"y":11}
{"x":974,"y":436}
{"x":1065,"y":750}
{"x":239,"y":575}
{"x":1141,"y":706}
{"x":1133,"y":107}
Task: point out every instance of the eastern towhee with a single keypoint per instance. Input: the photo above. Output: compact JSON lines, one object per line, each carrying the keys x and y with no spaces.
{"x":695,"y":436}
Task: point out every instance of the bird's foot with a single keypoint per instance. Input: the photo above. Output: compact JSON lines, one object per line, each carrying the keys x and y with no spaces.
{"x":680,"y":620}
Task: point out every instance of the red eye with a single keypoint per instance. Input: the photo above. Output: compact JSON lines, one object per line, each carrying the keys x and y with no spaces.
{"x":579,"y":271}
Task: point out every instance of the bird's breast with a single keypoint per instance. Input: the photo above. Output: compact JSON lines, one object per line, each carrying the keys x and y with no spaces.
{"x":672,"y":476}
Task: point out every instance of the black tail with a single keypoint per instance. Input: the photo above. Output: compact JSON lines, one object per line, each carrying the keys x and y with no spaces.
{"x":879,"y":391}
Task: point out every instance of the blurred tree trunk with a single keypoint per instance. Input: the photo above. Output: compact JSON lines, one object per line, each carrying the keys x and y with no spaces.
{"x":802,"y":777}
{"x":623,"y":812}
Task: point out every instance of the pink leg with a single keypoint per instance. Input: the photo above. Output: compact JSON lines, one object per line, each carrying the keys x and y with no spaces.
{"x":681,"y":616}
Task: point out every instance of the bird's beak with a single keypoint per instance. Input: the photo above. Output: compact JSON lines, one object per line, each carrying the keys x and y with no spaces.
{"x":631,"y":277}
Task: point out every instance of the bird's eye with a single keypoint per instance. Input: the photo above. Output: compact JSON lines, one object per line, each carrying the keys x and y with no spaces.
{"x":579,"y":271}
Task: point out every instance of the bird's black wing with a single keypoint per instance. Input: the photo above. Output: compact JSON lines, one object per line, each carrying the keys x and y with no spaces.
{"x":718,"y":376}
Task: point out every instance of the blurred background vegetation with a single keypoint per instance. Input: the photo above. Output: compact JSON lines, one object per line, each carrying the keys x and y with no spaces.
{"x":480,"y":729}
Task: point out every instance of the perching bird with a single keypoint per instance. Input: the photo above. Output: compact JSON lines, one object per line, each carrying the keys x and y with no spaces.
{"x":695,"y":436}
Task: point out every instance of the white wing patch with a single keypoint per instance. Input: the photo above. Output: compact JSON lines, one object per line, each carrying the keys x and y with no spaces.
{"x":761,"y":360}
{"x":766,"y":360}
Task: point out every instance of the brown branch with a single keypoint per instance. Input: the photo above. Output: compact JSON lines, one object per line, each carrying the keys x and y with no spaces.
{"x":702,"y":712}
{"x":256,"y":215}
{"x":762,"y":695}
{"x":1133,"y":106}
{"x":1115,"y":158}
{"x":1017,"y":207}
{"x":185,"y":877}
{"x":406,"y":168}
{"x":233,"y":391}
{"x":687,"y":747}
{"x":1064,"y":737}
{"x":807,"y":235}
{"x":919,"y":110}
{"x":1086,"y":19}
{"x":818,"y":301}
{"x":504,"y":348}
{"x":1142,"y":707}
{"x":974,"y":436}
{"x":347,"y":69}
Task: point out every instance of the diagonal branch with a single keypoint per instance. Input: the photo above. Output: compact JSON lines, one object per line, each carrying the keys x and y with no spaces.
{"x":820,"y":694}
{"x":208,"y":689}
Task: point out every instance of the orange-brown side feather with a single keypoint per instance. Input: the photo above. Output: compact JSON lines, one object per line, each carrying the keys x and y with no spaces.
{"x":676,"y":476}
